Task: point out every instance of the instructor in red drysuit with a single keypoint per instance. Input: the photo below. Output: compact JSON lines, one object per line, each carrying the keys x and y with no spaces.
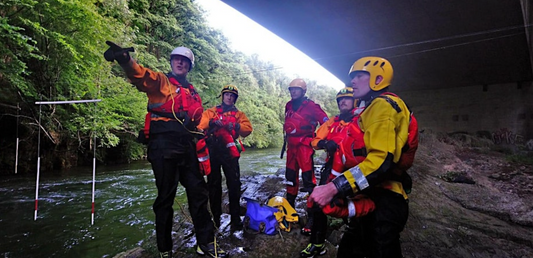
{"x":302,"y":116}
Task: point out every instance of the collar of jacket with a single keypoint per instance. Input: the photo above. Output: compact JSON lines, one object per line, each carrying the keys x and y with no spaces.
{"x":227,"y":108}
{"x":182,"y":80}
{"x":347,"y":117}
{"x":296,"y":103}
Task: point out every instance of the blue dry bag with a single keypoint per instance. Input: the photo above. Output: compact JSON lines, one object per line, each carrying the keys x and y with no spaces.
{"x":260,"y":217}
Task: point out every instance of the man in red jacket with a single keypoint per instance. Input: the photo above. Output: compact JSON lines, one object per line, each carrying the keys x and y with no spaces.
{"x":302,"y":116}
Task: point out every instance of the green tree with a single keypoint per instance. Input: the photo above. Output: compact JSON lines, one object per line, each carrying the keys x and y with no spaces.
{"x":52,"y":50}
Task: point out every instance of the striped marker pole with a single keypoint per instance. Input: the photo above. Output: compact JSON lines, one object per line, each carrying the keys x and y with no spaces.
{"x":37,"y":188}
{"x":40,"y":103}
{"x":38,"y":167}
{"x":94,"y":174}
{"x":94,"y":165}
{"x":17,"y":133}
{"x":17,"y":148}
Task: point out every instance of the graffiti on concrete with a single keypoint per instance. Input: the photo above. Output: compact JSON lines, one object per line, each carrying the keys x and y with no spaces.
{"x":506,"y":136}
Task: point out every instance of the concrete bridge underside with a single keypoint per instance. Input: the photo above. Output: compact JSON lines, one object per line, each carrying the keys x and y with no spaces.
{"x":460,"y":65}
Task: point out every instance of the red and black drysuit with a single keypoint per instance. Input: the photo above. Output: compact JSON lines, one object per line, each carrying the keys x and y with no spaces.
{"x":174,"y":111}
{"x":224,"y":154}
{"x":301,"y":119}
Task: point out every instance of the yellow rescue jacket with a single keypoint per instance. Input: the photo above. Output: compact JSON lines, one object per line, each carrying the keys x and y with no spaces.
{"x":385,"y":133}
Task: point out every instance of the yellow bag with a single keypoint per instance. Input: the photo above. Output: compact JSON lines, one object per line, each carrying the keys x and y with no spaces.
{"x":286,"y":214}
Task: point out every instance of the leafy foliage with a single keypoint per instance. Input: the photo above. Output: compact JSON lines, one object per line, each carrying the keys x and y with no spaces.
{"x":52,"y":50}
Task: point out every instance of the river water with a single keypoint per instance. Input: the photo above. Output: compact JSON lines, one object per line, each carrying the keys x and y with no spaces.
{"x":123,"y":208}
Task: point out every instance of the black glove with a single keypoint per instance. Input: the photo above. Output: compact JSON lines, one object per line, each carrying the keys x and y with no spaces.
{"x":235,"y":126}
{"x":331,"y":146}
{"x":115,"y":52}
{"x":215,"y":123}
{"x":321,"y":144}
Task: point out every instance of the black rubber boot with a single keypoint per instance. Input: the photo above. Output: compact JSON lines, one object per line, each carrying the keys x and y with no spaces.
{"x":306,"y":230}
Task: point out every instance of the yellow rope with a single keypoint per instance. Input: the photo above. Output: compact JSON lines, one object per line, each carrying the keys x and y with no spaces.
{"x":176,"y":117}
{"x":183,"y":211}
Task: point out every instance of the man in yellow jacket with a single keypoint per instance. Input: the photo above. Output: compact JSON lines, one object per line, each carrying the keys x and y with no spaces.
{"x":384,"y":122}
{"x":224,"y":124}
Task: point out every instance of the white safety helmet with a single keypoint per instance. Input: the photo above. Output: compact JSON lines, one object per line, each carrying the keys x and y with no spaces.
{"x":183,"y":51}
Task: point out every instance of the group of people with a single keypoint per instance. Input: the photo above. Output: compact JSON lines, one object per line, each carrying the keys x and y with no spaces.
{"x":363,"y":143}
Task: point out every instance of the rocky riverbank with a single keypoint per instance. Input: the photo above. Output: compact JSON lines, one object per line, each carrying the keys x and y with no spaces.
{"x":468,"y":200}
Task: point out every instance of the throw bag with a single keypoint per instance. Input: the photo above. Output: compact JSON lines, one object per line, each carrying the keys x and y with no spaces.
{"x":260,"y":217}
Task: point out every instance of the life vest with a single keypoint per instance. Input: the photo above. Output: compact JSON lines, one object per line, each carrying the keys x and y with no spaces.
{"x":180,"y":106}
{"x":228,"y":117}
{"x":187,"y":107}
{"x":351,"y":137}
{"x":224,"y":134}
{"x":297,"y":125}
{"x":351,"y":143}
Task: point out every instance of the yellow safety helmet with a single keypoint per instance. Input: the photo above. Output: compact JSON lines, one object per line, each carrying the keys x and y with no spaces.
{"x":286,"y":213}
{"x":231,"y":89}
{"x":375,"y":66}
{"x":345,"y":92}
{"x":298,"y":83}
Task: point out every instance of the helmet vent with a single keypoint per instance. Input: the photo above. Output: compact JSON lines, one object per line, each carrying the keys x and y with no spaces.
{"x":367,"y":62}
{"x":375,"y":63}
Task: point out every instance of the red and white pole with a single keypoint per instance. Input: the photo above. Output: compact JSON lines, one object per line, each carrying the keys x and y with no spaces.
{"x":38,"y":167}
{"x":37,"y":188}
{"x":17,"y":148}
{"x":92,"y":203}
{"x":94,"y":165}
{"x":40,"y":103}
